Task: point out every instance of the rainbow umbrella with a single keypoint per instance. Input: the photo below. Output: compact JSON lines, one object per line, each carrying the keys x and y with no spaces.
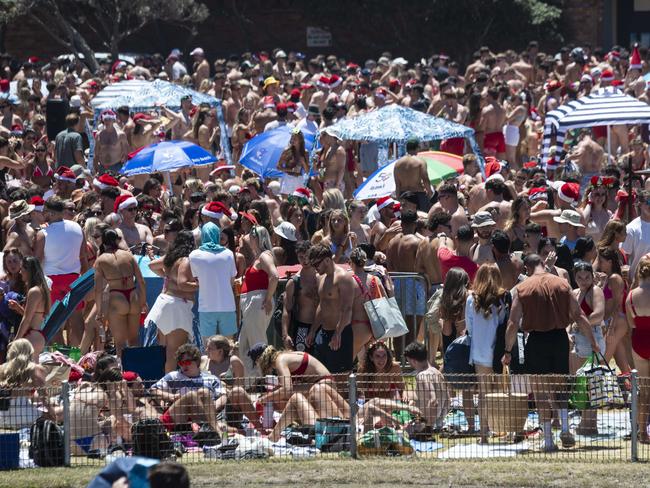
{"x":440,"y":166}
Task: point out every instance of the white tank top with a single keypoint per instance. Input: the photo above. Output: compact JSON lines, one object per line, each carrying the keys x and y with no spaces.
{"x":62,"y":244}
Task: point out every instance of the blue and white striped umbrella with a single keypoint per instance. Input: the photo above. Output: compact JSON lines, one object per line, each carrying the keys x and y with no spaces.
{"x":167,"y":156}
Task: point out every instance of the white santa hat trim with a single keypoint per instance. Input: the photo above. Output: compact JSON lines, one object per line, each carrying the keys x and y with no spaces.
{"x":213,"y":215}
{"x":385,"y":203}
{"x":335,"y":81}
{"x":70,"y":180}
{"x":38,"y":208}
{"x":99,"y":184}
{"x":129,"y":202}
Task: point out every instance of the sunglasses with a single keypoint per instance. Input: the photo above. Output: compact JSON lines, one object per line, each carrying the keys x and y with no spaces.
{"x":599,"y":194}
{"x":130,"y":209}
{"x":40,"y":150}
{"x":185,"y":362}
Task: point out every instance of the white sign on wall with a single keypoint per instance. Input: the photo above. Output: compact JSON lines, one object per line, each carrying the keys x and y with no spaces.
{"x":318,"y":37}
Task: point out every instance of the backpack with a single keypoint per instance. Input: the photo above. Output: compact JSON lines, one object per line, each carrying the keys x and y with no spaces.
{"x":150,"y":439}
{"x":46,"y":443}
{"x":279,"y":308}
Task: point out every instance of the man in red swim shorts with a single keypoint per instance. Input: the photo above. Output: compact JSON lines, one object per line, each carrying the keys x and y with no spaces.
{"x":493,"y":118}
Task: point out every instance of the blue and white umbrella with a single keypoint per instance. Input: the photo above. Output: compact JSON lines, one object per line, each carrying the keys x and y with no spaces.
{"x":262,"y":153}
{"x":167,"y":156}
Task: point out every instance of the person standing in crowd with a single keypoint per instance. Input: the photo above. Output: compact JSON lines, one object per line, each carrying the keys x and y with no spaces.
{"x":637,"y":242}
{"x":61,"y":249}
{"x":411,"y":175}
{"x":331,"y":334}
{"x":545,"y":306}
{"x":68,"y":144}
{"x":214,"y":268}
{"x":257,"y":295}
{"x":111,"y":145}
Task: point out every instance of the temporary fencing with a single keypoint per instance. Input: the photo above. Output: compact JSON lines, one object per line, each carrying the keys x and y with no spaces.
{"x":423,"y":415}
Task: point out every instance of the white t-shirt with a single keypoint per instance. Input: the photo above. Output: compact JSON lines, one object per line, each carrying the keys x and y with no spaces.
{"x":214,"y":272}
{"x":637,"y":242}
{"x":63,"y":241}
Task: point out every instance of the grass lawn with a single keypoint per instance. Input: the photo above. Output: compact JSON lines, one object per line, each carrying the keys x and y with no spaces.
{"x":370,"y":472}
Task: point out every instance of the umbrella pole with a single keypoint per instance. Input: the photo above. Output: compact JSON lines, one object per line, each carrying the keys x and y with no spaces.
{"x":168,"y":177}
{"x":609,"y":142}
{"x":629,"y":189}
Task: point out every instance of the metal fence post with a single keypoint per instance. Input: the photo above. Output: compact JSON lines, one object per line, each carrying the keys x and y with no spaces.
{"x":65,"y":393}
{"x":634,"y":438}
{"x":352,"y":398}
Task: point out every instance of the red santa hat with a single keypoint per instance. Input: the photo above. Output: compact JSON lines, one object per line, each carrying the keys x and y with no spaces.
{"x":539,"y":193}
{"x":67,"y":175}
{"x":105,"y":181}
{"x":108,"y":115}
{"x":492,"y":166}
{"x":215,"y":210}
{"x":4,"y":85}
{"x":635,"y":59}
{"x":141,"y":116}
{"x":118,"y":65}
{"x":617,"y":83}
{"x":302,"y":193}
{"x":614,"y":56}
{"x":384,"y":202}
{"x":567,"y":192}
{"x":38,"y":203}
{"x":123,"y":202}
{"x":223,"y":167}
{"x":397,"y":209}
{"x":607,"y":75}
{"x":394,"y":84}
{"x":335,"y":80}
{"x":323,"y":82}
{"x":530,"y":164}
{"x":381,"y":93}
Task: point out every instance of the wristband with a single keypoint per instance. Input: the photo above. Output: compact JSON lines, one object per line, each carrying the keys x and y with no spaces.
{"x":509,"y":353}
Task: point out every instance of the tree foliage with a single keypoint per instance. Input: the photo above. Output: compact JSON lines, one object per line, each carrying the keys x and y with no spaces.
{"x":108,"y":22}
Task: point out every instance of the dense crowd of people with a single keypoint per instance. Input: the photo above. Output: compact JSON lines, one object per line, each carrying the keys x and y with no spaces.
{"x":543,"y":261}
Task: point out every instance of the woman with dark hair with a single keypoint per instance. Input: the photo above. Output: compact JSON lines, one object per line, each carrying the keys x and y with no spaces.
{"x":263,"y":213}
{"x":229,"y":240}
{"x":379,"y":373}
{"x":39,"y":168}
{"x":294,"y":162}
{"x":117,"y":268}
{"x":452,"y":305}
{"x":36,"y":307}
{"x":285,"y":250}
{"x":169,"y":232}
{"x":296,"y":216}
{"x":172,"y":311}
{"x":585,"y":250}
{"x":12,"y":287}
{"x":516,"y":225}
{"x":613,"y":236}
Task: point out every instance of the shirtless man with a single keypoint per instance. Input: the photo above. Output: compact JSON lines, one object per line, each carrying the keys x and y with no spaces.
{"x":134,"y":233}
{"x":495,"y":189}
{"x":448,"y":201}
{"x":516,"y":114}
{"x":484,"y":226}
{"x":476,"y":66}
{"x":7,"y":117}
{"x":387,"y":226}
{"x":588,"y":156}
{"x":232,"y":105}
{"x":125,"y":123}
{"x":401,"y":257}
{"x":510,"y":267}
{"x":575,"y":68}
{"x":264,"y":116}
{"x":300,"y":302}
{"x":411,"y":175}
{"x":111,"y":145}
{"x":524,"y":67}
{"x":332,"y":162}
{"x":201,"y":67}
{"x":334,"y":342}
{"x":471,"y":172}
{"x":567,"y":195}
{"x":493,"y":117}
{"x":20,"y":235}
{"x":273,"y":201}
{"x":181,"y":121}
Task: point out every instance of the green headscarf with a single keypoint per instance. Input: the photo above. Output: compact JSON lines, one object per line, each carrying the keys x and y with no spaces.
{"x":211,"y":238}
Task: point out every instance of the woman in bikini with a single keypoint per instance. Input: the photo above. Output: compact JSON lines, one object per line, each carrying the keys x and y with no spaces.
{"x":172,"y":311}
{"x":36,"y":307}
{"x":358,"y":211}
{"x":592,"y":302}
{"x":306,"y":390}
{"x":637,"y":308}
{"x":118,"y":270}
{"x":39,"y":169}
{"x":339,"y":239}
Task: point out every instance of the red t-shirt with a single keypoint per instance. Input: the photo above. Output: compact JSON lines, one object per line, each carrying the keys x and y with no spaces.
{"x":449,"y":260}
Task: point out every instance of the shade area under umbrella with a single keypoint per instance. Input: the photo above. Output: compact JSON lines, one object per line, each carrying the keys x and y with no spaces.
{"x":167,"y":156}
{"x":382,"y":182}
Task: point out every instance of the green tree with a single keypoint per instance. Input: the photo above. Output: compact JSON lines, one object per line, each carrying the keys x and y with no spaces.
{"x":108,"y":21}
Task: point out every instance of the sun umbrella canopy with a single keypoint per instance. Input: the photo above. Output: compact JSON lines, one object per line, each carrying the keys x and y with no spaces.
{"x":167,"y":156}
{"x":395,"y":123}
{"x":382,"y":182}
{"x":262,"y":153}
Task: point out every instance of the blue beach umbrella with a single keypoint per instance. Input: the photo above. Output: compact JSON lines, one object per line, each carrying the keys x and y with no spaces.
{"x":167,"y":156}
{"x":262,"y":153}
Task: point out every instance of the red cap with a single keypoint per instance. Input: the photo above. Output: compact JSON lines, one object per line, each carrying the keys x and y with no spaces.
{"x":295,"y":94}
{"x":249,"y":216}
{"x":281,"y":108}
{"x":141,"y":116}
{"x":68,"y":176}
{"x":394,"y":84}
{"x":569,"y":192}
{"x":530,"y":164}
{"x":537,"y":193}
{"x":335,"y":80}
{"x":4,"y":86}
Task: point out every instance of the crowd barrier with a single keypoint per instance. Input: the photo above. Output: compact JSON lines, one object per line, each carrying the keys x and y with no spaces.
{"x":428,"y":415}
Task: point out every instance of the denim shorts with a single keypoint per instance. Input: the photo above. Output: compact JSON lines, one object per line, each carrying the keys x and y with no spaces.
{"x":213,"y":323}
{"x":582,"y":346}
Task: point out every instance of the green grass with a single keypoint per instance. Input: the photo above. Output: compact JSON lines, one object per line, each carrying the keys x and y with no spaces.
{"x":379,"y":472}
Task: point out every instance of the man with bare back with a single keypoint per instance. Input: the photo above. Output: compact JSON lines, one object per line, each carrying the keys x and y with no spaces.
{"x":334,"y":342}
{"x":493,"y":118}
{"x":134,"y":233}
{"x":411,"y":175}
{"x":111,"y":145}
{"x":332,"y":162}
{"x":448,"y":201}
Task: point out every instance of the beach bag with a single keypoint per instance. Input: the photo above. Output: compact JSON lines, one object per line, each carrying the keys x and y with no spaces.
{"x":507,"y":412}
{"x":332,"y":434}
{"x":579,"y":398}
{"x":385,"y":317}
{"x":385,"y":441}
{"x":604,"y":390}
{"x":151,"y":439}
{"x":46,"y":443}
{"x":432,"y":315}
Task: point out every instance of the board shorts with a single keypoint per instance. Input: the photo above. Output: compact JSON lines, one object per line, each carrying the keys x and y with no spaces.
{"x":414,"y":298}
{"x":339,"y":361}
{"x":213,"y":323}
{"x":495,"y":141}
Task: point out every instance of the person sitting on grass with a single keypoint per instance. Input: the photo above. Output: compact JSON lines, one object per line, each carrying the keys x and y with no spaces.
{"x":306,"y":391}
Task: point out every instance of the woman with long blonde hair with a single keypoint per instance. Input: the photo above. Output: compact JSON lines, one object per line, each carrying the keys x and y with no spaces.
{"x":339,"y":238}
{"x":485,"y":309}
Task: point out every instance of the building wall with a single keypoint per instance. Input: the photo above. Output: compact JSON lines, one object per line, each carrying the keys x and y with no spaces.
{"x":584,"y":21}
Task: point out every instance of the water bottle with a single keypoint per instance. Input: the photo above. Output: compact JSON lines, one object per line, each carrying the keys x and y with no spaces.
{"x":267,"y":417}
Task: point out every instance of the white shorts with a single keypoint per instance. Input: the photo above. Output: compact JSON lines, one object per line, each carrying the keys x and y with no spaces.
{"x":511,"y":134}
{"x":170,"y":313}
